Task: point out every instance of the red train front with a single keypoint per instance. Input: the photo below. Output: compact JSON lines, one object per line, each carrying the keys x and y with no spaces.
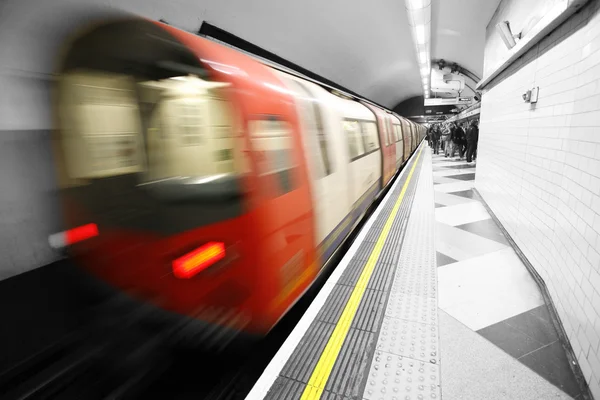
{"x":172,"y":153}
{"x":183,"y":176}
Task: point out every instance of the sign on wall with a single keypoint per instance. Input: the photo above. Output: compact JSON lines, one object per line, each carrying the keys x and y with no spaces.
{"x":440,"y":110}
{"x":448,"y":101}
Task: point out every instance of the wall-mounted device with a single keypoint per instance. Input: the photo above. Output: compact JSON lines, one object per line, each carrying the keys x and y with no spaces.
{"x":506,"y":34}
{"x":531,"y":96}
{"x":534,"y":95}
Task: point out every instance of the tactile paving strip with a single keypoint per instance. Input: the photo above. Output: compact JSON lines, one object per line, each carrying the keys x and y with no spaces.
{"x":414,"y":279}
{"x":417,"y":274}
{"x":406,"y":362}
{"x":394,"y":377}
{"x":411,"y":339}
{"x":302,"y":362}
{"x":411,"y":307}
{"x":333,"y":396}
{"x":339,"y":297}
{"x":352,"y":272}
{"x":352,"y":364}
{"x":286,"y":389}
{"x":364,"y":251}
{"x":349,"y":372}
{"x":370,"y":311}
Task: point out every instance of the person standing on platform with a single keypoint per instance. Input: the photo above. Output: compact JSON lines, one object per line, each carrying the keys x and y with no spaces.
{"x":435,"y":139}
{"x":472,"y":139}
{"x":428,"y":135}
{"x":460,"y":141}
{"x":446,"y":140}
{"x":452,"y":147}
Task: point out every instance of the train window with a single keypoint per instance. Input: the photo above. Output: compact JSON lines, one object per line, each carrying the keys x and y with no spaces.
{"x":369,"y":131}
{"x":398,"y":130}
{"x":100,"y":126}
{"x":390,"y":131}
{"x":191,"y":131}
{"x":355,"y":140}
{"x":190,"y":122}
{"x":272,"y":142}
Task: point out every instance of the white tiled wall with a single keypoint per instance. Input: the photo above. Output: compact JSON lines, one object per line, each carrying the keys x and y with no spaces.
{"x":523,"y":15}
{"x":539,"y":170}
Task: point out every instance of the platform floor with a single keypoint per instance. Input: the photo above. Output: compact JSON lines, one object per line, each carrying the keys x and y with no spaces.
{"x":484,"y":287}
{"x":375,"y":330}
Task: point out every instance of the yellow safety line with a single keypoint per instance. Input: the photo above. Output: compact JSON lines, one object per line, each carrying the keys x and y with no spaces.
{"x":320,"y":375}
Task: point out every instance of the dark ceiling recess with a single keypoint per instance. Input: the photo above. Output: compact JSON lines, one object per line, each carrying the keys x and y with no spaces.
{"x":222,"y":35}
{"x":411,"y":107}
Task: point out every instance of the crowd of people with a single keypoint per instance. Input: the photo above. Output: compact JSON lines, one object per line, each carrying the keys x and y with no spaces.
{"x":452,"y":137}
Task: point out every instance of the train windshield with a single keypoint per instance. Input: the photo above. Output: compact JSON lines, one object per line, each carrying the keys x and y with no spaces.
{"x":164,"y":145}
{"x":176,"y":134}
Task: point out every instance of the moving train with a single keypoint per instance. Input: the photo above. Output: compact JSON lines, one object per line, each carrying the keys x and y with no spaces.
{"x":206,"y":183}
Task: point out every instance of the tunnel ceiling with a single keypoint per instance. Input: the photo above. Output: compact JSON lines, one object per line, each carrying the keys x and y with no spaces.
{"x":364,"y":46}
{"x":458,"y":31}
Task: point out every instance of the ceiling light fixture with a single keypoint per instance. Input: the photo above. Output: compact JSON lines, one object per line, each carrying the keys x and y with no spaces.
{"x":419,"y":20}
{"x":420,"y":34}
{"x":417,"y":3}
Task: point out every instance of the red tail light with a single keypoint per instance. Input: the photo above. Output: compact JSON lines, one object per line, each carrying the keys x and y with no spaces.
{"x":81,"y":233}
{"x":198,"y":260}
{"x":73,"y":236}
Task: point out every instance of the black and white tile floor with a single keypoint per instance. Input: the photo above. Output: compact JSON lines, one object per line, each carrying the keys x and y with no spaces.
{"x":484,"y":285}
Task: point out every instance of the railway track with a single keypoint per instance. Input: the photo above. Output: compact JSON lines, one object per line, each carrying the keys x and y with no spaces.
{"x":101,"y":360}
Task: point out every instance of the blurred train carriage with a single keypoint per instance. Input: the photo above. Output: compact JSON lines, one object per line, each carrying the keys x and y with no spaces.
{"x":206,"y":183}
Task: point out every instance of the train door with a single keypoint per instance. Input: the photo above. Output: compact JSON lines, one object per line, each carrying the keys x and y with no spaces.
{"x":399,"y":142}
{"x":360,"y":131}
{"x":387,"y":148}
{"x":406,"y":136}
{"x":392,"y":147}
{"x":327,"y":178}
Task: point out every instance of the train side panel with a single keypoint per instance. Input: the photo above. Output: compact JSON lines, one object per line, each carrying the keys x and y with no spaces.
{"x":388,"y":147}
{"x":328,"y":163}
{"x":358,"y":127}
{"x":397,"y":126}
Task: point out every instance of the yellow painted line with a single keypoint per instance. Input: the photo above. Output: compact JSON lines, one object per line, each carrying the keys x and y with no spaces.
{"x":320,"y":375}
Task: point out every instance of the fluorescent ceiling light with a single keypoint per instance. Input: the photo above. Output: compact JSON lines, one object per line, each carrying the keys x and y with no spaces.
{"x":423,"y":57}
{"x":424,"y":71}
{"x":420,"y":34}
{"x":417,"y":3}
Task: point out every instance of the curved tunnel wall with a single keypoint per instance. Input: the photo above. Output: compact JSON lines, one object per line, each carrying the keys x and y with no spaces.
{"x":30,"y":40}
{"x":539,"y":171}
